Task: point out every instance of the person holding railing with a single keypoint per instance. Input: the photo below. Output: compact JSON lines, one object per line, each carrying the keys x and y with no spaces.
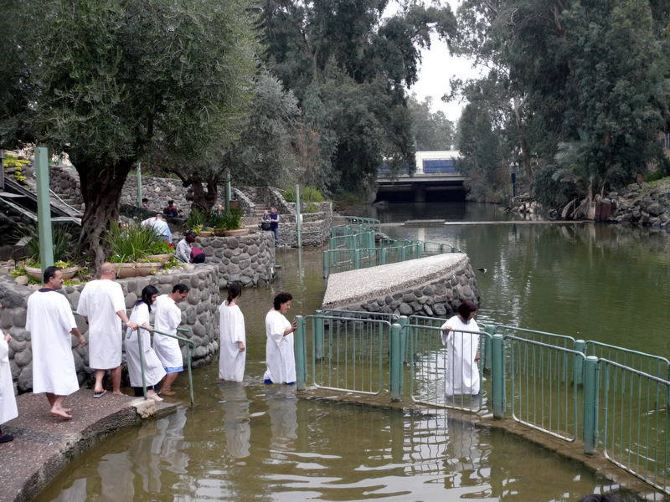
{"x":279,"y":354}
{"x":232,"y":343}
{"x":153,"y":368}
{"x":462,"y":342}
{"x":167,"y":320}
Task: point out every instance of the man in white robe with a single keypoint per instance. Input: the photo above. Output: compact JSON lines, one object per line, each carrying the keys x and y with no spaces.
{"x":103,"y":303}
{"x":8,"y":409}
{"x":279,"y":355}
{"x":167,"y":320}
{"x":50,"y":322}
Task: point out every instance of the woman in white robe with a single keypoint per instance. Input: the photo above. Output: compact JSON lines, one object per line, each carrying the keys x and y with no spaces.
{"x":8,"y":409}
{"x":153,"y":368}
{"x":167,"y":320}
{"x":232,"y":339}
{"x":459,"y":335}
{"x":279,"y":355}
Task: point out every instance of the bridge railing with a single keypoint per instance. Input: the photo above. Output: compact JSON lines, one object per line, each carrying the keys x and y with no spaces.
{"x":546,"y":381}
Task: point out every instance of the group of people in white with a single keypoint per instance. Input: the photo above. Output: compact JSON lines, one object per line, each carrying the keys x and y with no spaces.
{"x":51,"y":323}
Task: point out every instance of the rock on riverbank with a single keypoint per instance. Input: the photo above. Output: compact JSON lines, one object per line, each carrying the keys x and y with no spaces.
{"x":646,"y":205}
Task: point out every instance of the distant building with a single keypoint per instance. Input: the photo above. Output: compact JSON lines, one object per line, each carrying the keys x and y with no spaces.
{"x":438,"y":162}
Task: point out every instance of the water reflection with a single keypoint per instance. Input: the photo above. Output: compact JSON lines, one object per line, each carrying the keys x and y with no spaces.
{"x":236,"y":426}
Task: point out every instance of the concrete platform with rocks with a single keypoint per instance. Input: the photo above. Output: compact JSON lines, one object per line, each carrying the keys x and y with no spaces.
{"x":43,"y":445}
{"x":432,"y":286}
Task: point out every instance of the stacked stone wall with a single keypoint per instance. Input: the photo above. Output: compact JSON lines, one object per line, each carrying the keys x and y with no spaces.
{"x":248,"y":259}
{"x":199,"y":313}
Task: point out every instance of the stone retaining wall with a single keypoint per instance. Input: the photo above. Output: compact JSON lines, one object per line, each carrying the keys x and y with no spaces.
{"x":315,"y":226}
{"x":199,"y":312}
{"x":248,"y":259}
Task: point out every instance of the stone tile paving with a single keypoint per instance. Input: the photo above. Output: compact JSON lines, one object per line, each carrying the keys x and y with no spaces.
{"x":43,"y":445}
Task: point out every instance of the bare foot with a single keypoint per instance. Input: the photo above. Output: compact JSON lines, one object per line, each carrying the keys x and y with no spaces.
{"x":118,"y":393}
{"x":154,"y":396}
{"x":168,"y":392}
{"x":60,"y":413}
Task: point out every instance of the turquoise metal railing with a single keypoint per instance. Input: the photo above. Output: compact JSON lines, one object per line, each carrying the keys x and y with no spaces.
{"x":341,"y":260}
{"x":641,"y":361}
{"x":549,"y":382}
{"x":635,"y":430}
{"x":191,"y":345}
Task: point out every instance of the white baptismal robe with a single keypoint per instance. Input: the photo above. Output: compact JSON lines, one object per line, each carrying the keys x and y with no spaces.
{"x":278,"y":349}
{"x":167,"y":320}
{"x":100,"y":300}
{"x":8,"y":409}
{"x":231,"y":331}
{"x":50,"y":321}
{"x":461,"y":372}
{"x":153,"y":368}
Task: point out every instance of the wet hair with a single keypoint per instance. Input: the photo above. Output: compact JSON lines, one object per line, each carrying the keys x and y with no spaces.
{"x":466,"y":308}
{"x":281,"y":298}
{"x":49,"y":272}
{"x":234,"y":290}
{"x":180,"y":288}
{"x":147,"y":293}
{"x":170,"y":202}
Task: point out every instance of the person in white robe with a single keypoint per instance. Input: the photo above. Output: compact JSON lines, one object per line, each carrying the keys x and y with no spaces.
{"x":8,"y":410}
{"x":232,"y":339}
{"x":279,"y":355}
{"x":50,"y":321}
{"x":459,"y":335}
{"x":153,"y":368}
{"x":167,"y":320}
{"x":103,"y":304}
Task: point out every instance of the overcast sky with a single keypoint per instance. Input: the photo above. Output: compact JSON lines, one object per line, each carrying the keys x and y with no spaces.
{"x":437,"y":68}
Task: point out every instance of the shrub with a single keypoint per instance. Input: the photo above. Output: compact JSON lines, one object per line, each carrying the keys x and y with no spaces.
{"x":62,"y":243}
{"x":131,"y":243}
{"x":230,"y":220}
{"x":307,"y":194}
{"x":195,"y":218}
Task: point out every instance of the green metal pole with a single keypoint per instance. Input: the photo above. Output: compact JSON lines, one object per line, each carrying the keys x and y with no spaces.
{"x":138,"y":177}
{"x":382,"y":255}
{"x":404,"y":334}
{"x":44,"y":208}
{"x":578,"y":370}
{"x":144,"y":379}
{"x":298,"y":215}
{"x":491,"y":330}
{"x":229,"y":190}
{"x":396,"y":362}
{"x":357,"y":259}
{"x":318,"y":335}
{"x":326,"y":260}
{"x":498,"y":376}
{"x":300,"y":354}
{"x":190,"y":374}
{"x":590,"y":403}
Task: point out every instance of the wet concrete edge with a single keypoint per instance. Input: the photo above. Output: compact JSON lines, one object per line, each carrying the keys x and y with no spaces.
{"x":38,"y":479}
{"x":573,"y":451}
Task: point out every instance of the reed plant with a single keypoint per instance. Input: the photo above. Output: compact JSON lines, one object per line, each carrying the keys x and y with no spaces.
{"x":132,"y":243}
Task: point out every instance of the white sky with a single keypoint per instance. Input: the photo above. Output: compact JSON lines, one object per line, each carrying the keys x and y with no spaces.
{"x":437,"y":68}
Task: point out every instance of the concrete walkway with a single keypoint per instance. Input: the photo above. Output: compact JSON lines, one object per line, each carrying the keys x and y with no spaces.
{"x":355,"y":286}
{"x":43,"y":445}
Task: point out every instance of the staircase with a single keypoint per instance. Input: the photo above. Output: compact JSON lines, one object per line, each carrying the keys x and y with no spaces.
{"x":22,"y":200}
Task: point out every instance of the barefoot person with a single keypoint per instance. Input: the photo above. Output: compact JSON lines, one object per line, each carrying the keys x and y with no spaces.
{"x":279,"y":354}
{"x":153,"y":368}
{"x":232,"y":357}
{"x":103,"y":303}
{"x":167,"y":320}
{"x":8,"y":409}
{"x":50,"y":322}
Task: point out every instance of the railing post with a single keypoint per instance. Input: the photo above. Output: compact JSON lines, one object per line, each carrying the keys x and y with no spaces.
{"x":402,"y":253}
{"x":491,"y":330}
{"x":578,"y":370}
{"x":318,"y":335}
{"x":326,"y":262}
{"x":404,"y":333}
{"x":141,"y":348}
{"x":138,"y":179}
{"x":382,"y":255}
{"x":357,"y":259}
{"x":300,"y":354}
{"x":396,"y":362}
{"x":590,"y":403}
{"x":498,"y":375}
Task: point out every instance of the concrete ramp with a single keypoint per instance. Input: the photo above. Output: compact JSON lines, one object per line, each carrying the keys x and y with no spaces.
{"x":432,"y":286}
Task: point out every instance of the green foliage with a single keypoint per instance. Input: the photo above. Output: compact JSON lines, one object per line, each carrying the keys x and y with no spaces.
{"x":230,"y":220}
{"x":307,"y":194}
{"x":131,"y":243}
{"x":62,"y":243}
{"x":195,"y":219}
{"x":430,"y":130}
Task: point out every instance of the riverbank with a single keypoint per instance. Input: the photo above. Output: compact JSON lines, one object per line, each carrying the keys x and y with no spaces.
{"x":44,"y":445}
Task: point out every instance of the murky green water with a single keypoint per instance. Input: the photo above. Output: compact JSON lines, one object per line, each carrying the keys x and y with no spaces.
{"x":259,"y":442}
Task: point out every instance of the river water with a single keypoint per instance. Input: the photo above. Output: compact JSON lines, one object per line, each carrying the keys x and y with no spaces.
{"x":257,"y":442}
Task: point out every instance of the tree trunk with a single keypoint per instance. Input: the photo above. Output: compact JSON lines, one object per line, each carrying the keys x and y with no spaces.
{"x":204,"y":199}
{"x":101,"y":189}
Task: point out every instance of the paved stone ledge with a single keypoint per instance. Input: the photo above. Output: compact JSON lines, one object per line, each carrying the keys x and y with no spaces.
{"x":43,"y":445}
{"x":432,"y":286}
